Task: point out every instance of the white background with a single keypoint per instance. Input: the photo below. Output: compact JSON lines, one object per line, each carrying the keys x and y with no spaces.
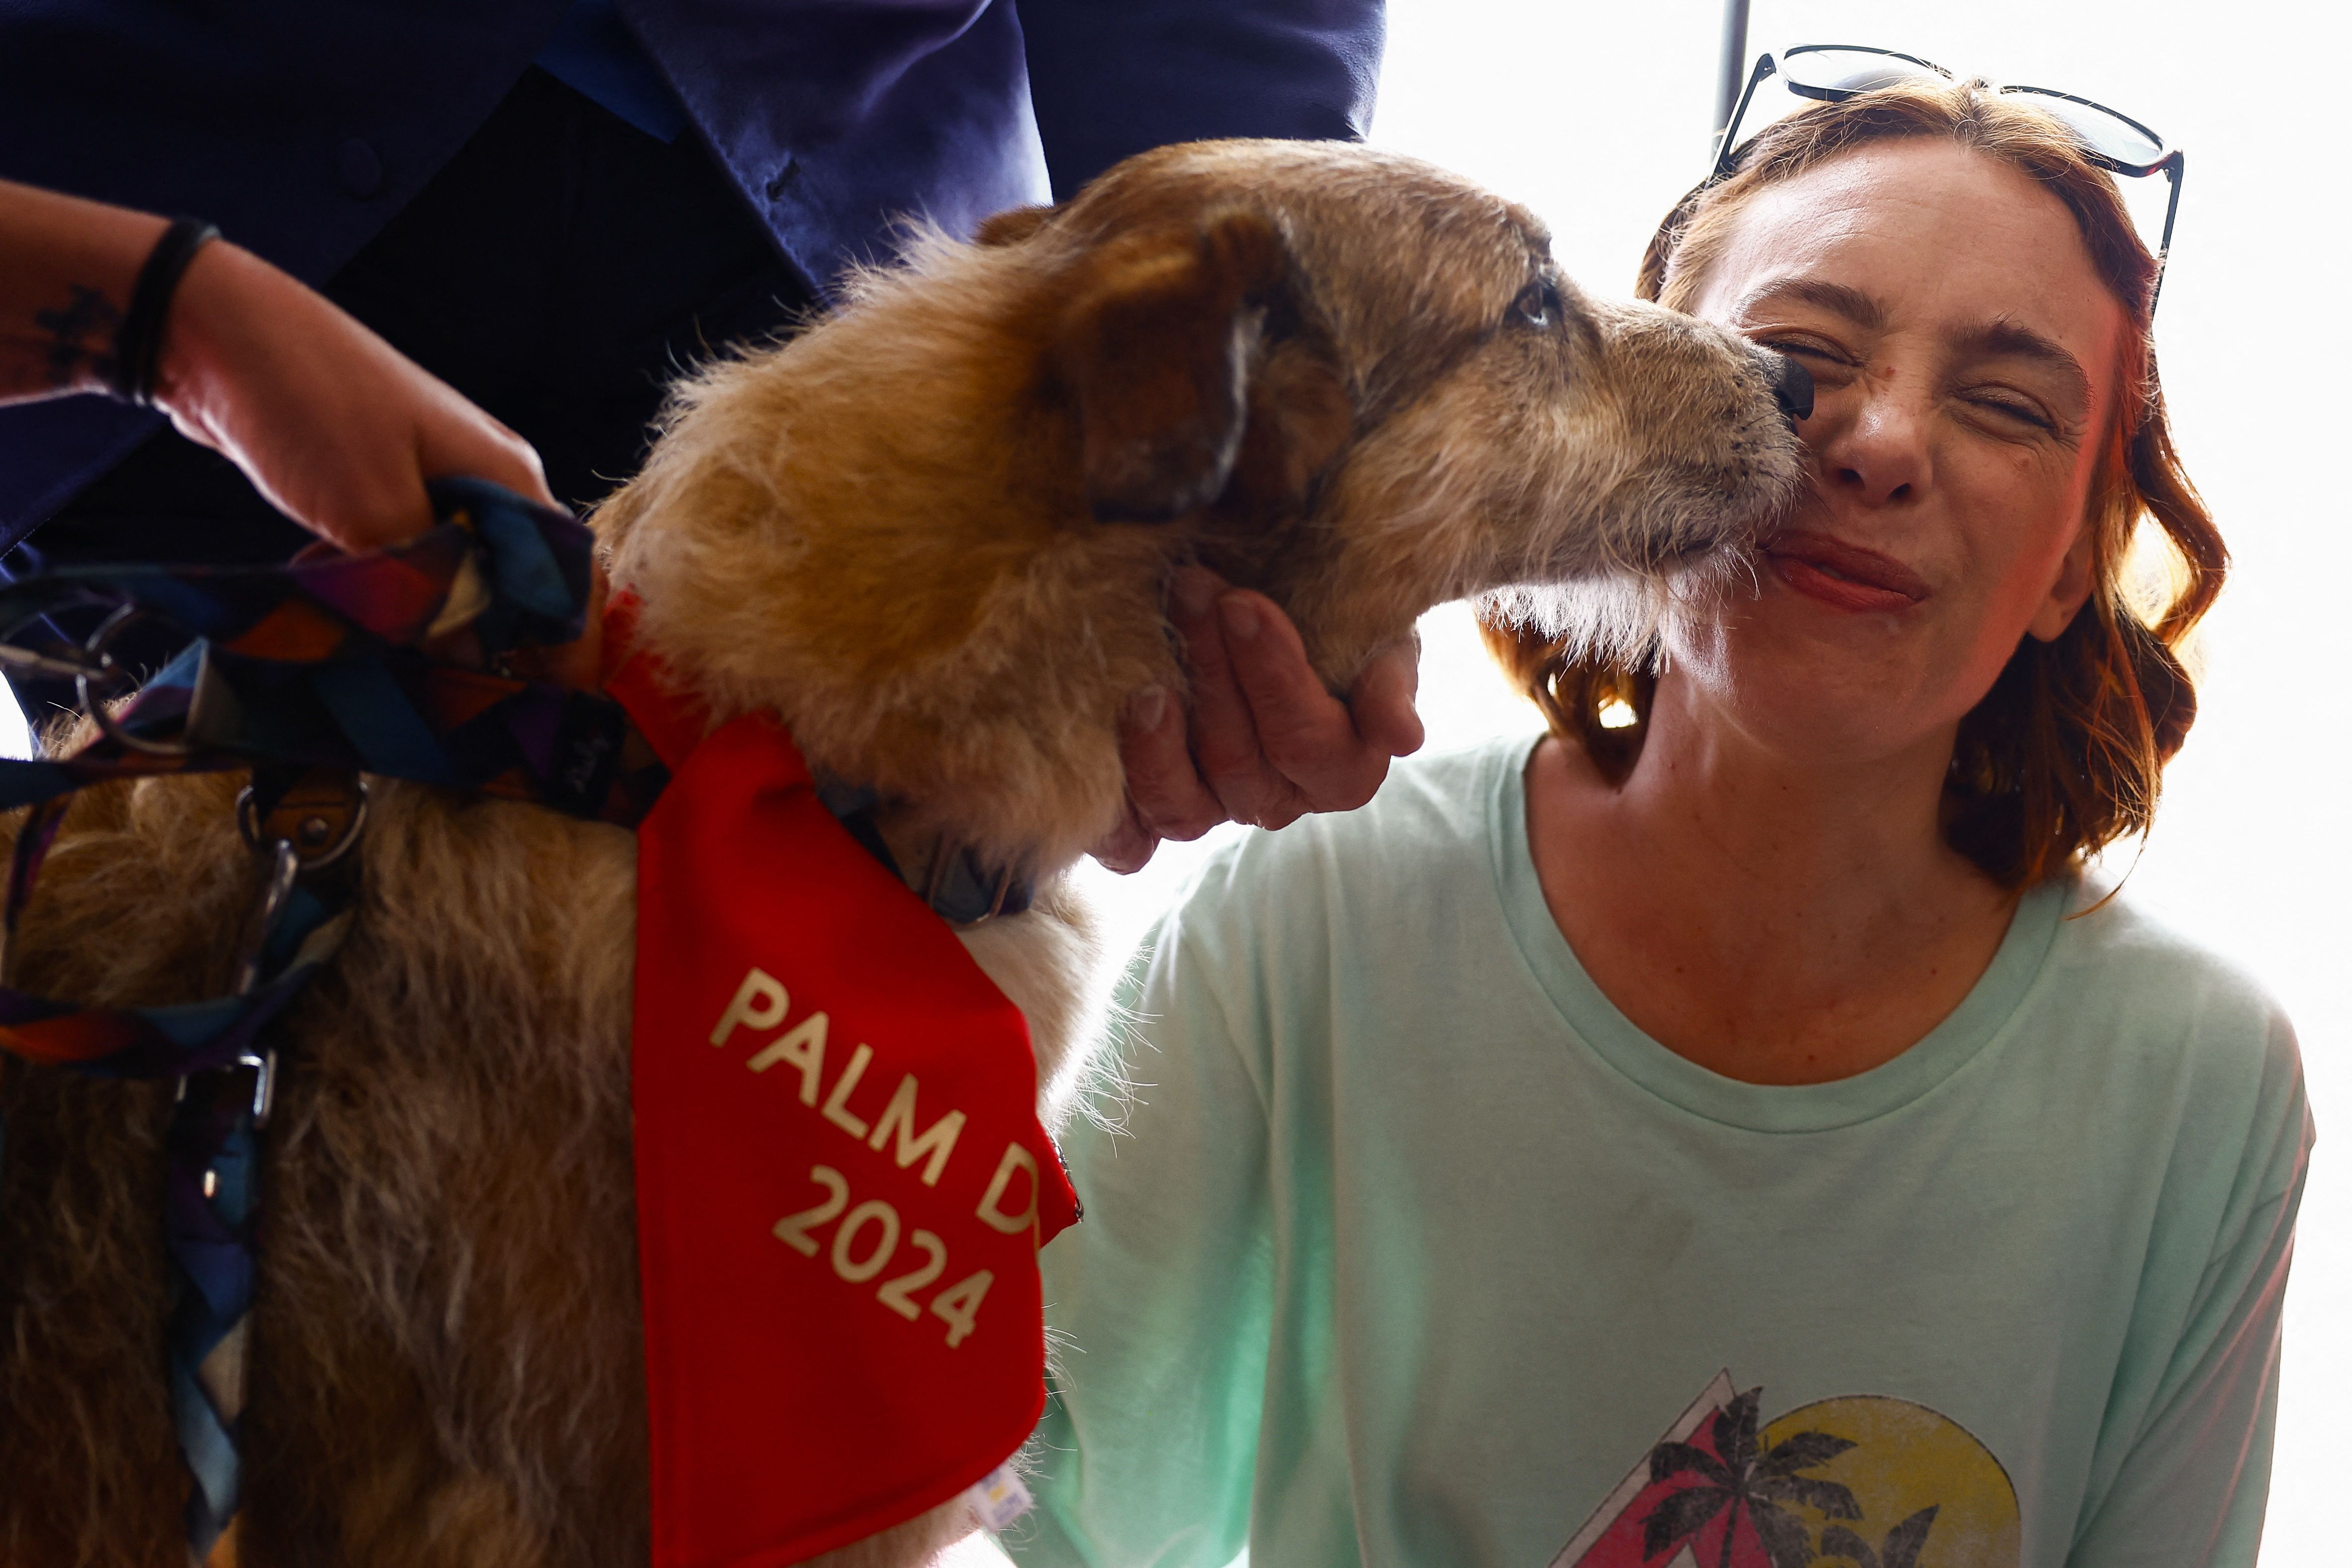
{"x":1597,"y":117}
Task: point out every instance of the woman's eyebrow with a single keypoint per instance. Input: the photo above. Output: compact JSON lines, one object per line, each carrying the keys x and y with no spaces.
{"x":2013,"y":339}
{"x":1839,"y":299}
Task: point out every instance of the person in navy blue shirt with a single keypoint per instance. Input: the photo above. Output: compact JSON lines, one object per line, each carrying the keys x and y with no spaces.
{"x":553,"y":205}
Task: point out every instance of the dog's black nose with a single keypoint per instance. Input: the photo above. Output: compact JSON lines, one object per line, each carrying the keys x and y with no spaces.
{"x":1792,"y":387}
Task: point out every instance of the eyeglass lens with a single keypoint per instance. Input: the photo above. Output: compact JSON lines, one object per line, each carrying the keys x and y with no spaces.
{"x":1842,"y":71}
{"x":1834,"y":72}
{"x":2102,"y":131}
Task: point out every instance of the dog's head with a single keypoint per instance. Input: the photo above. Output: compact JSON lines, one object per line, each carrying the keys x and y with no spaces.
{"x":934,"y":531}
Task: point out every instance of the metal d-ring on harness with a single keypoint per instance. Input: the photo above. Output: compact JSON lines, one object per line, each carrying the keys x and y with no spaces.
{"x":306,"y":836}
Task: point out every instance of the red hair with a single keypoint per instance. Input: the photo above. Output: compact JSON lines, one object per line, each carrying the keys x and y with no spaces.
{"x":2067,"y":752}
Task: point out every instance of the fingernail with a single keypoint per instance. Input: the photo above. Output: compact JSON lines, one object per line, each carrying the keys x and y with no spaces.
{"x":1195,"y":592}
{"x":1239,"y":617}
{"x":1145,"y":708}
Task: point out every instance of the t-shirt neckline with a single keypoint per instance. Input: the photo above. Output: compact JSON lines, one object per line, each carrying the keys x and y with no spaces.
{"x":1594,"y":1020}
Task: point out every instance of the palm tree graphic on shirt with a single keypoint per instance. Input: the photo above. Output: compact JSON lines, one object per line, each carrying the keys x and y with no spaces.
{"x":1743,"y":1474}
{"x":1814,"y":1487}
{"x":1900,"y":1548}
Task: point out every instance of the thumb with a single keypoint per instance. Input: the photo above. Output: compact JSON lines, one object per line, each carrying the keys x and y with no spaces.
{"x":464,"y":441}
{"x":1382,"y":701}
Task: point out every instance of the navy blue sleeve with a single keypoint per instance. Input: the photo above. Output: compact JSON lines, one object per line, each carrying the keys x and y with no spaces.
{"x":1111,"y":77}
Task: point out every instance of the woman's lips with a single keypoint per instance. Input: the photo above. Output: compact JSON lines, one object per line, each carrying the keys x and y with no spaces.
{"x":1844,"y":576}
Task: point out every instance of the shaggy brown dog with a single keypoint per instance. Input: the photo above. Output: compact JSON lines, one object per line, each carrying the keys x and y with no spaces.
{"x":933,"y":535}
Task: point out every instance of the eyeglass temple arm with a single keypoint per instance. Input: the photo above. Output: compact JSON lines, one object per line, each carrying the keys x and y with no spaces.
{"x":2173,"y":167}
{"x":1723,"y":142}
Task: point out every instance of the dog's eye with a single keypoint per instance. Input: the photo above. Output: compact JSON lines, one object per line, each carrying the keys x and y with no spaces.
{"x":1538,"y":303}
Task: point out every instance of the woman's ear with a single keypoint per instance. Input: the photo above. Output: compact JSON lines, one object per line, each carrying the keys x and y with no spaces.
{"x":2067,"y":593}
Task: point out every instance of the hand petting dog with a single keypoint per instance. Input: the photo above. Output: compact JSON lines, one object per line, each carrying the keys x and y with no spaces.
{"x":1263,"y":742}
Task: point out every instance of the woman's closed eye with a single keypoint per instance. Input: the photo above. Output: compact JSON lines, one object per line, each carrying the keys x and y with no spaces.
{"x":2012,"y":408}
{"x":1806,"y":343}
{"x":1832,"y":364}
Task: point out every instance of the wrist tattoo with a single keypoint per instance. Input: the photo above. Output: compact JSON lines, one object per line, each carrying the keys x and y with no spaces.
{"x":80,"y":337}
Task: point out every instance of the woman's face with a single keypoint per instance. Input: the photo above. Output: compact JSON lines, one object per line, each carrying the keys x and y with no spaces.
{"x":1965,"y":357}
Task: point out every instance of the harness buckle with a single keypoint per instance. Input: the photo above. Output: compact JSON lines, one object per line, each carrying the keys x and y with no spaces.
{"x":265,"y":1082}
{"x":319,"y":817}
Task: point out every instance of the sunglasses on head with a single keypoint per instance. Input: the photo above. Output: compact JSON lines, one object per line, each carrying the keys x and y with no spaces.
{"x":1832,"y":73}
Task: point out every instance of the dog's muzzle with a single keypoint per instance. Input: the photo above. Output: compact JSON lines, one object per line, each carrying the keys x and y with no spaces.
{"x":1792,"y":388}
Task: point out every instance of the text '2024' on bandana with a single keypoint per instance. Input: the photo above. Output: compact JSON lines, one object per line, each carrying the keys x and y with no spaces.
{"x":842,"y":1184}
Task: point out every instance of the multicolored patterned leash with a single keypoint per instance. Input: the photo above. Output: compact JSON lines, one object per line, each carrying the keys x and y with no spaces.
{"x":307,"y":674}
{"x":311,"y":675}
{"x":316,"y":663}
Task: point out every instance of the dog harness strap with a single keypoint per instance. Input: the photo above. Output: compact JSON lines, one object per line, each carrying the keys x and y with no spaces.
{"x":208,"y":1204}
{"x":313,"y":665}
{"x":305,"y":674}
{"x":209,"y":1166}
{"x":313,"y":672}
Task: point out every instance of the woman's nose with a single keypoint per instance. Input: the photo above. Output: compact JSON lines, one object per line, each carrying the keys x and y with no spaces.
{"x":1877,"y":452}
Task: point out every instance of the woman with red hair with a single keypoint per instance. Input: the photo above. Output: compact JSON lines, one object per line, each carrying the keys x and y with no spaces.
{"x":1728,"y":1128}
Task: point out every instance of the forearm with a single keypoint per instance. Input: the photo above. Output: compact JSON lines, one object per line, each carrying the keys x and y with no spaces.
{"x":67,"y":270}
{"x":332,"y":425}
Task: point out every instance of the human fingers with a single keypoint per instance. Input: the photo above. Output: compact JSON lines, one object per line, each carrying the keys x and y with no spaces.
{"x":1164,"y":789}
{"x":414,"y":427}
{"x":1129,"y":847}
{"x":1310,"y":740}
{"x":1222,"y":740}
{"x":1382,"y":699}
{"x":1225,"y":747}
{"x":454,"y":438}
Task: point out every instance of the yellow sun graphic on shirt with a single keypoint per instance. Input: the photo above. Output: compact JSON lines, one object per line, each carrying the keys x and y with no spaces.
{"x":1906,"y":1461}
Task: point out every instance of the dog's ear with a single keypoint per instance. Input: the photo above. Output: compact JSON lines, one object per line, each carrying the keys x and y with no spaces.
{"x":1011,"y":226}
{"x":1155,"y":348}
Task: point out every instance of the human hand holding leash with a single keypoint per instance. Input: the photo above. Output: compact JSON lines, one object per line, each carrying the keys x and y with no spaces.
{"x":1263,"y":741}
{"x":337,"y":428}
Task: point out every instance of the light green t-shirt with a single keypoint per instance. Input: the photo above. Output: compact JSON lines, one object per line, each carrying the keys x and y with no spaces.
{"x":1415,"y":1251}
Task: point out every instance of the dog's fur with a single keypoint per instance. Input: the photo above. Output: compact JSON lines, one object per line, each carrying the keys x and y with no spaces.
{"x":933,"y":533}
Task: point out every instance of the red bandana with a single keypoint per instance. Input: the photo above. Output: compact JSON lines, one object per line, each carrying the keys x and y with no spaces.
{"x":842,"y":1185}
